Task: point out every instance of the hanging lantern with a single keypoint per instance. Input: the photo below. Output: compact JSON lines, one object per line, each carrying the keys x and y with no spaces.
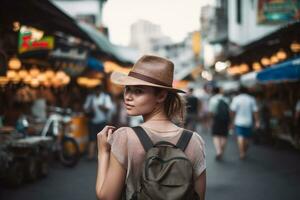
{"x":66,"y":80}
{"x":34,"y":83}
{"x":244,"y":68}
{"x":46,"y":83}
{"x":56,"y":82}
{"x":256,"y":66}
{"x":60,"y":75}
{"x":82,"y":81}
{"x":23,"y":73}
{"x":281,"y":55}
{"x":27,"y":80}
{"x":233,"y":70}
{"x":16,"y":80}
{"x":49,"y":74}
{"x":41,"y":77}
{"x":274,"y":60}
{"x":3,"y":80}
{"x":14,"y":63}
{"x":10,"y":74}
{"x":295,"y":47}
{"x":265,"y":61}
{"x":34,"y":72}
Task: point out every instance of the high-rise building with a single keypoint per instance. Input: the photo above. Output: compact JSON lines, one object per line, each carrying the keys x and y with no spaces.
{"x":214,"y":21}
{"x":214,"y":31}
{"x":145,"y":35}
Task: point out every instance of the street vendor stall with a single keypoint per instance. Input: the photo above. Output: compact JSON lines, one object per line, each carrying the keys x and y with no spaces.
{"x":281,"y":89}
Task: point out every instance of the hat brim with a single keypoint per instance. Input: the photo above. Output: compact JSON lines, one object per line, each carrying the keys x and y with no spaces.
{"x":123,"y":79}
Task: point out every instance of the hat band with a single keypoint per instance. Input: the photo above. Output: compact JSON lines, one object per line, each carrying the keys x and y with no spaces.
{"x":148,"y":79}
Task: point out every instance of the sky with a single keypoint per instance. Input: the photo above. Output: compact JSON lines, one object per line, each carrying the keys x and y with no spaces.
{"x":176,"y":17}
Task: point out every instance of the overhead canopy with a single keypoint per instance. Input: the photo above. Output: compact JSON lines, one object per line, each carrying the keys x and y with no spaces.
{"x":41,"y":14}
{"x":104,"y":44}
{"x":267,"y":45}
{"x":95,"y":64}
{"x":286,"y":71}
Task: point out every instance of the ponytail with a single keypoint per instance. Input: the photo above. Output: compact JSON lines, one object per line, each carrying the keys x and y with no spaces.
{"x":175,"y":108}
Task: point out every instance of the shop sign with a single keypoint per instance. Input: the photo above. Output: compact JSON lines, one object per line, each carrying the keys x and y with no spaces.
{"x":31,"y":39}
{"x":277,"y":11}
{"x":196,"y":43}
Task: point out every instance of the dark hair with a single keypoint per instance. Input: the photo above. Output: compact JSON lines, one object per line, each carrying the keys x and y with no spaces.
{"x":243,"y":90}
{"x":174,"y":107}
{"x":216,"y":90}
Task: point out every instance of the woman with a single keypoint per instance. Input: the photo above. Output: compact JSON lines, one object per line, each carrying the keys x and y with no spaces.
{"x":148,"y":92}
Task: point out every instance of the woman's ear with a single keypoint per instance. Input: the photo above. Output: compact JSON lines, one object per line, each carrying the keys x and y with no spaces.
{"x":162,"y":95}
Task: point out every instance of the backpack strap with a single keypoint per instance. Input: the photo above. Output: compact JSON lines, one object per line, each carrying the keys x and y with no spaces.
{"x":184,"y":139}
{"x":143,"y":137}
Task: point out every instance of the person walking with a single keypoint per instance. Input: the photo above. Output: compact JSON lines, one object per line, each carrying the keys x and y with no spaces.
{"x":157,"y":159}
{"x":296,"y":133}
{"x":97,"y":106}
{"x":192,"y":106}
{"x":244,"y":109}
{"x":219,"y":111}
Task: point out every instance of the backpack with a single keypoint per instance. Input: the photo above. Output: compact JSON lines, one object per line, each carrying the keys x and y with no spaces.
{"x":222,"y":112}
{"x":167,"y":172}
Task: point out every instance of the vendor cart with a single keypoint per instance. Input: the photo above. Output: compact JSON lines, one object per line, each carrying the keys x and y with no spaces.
{"x":23,"y":159}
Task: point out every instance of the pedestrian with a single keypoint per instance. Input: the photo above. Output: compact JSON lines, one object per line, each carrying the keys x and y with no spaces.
{"x":297,"y":120}
{"x":219,"y":111}
{"x":244,"y":109}
{"x":120,"y":117}
{"x":204,"y":116}
{"x":127,"y":158}
{"x":97,"y":106}
{"x":192,"y":106}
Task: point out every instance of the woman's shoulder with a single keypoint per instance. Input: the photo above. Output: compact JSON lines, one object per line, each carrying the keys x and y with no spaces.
{"x":123,"y":136}
{"x":120,"y":135}
{"x":124,"y":131}
{"x":197,"y":140}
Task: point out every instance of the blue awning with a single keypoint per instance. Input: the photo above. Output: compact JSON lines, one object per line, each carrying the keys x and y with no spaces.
{"x":286,"y":71}
{"x":95,"y":64}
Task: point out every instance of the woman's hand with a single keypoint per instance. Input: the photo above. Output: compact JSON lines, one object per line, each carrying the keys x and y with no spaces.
{"x":103,"y":138}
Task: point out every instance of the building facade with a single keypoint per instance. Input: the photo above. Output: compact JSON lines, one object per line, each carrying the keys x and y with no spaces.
{"x":243,"y":26}
{"x":144,"y":36}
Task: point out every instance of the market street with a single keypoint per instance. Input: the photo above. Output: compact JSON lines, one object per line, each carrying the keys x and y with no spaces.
{"x":268,"y":173}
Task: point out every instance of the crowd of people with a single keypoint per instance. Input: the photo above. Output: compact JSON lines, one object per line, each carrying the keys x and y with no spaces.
{"x":243,"y":113}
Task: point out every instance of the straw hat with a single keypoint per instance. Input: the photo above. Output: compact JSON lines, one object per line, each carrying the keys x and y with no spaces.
{"x":148,"y":70}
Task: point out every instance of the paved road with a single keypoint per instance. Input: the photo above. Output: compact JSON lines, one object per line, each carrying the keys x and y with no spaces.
{"x":267,"y":174}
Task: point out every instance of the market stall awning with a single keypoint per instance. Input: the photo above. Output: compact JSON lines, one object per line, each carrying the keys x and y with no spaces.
{"x":41,"y":14}
{"x":286,"y":71}
{"x":104,"y":44}
{"x":95,"y":64}
{"x":266,"y":45}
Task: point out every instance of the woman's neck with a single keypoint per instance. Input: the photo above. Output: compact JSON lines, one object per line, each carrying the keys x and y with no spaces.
{"x":157,"y":114}
{"x":159,"y":123}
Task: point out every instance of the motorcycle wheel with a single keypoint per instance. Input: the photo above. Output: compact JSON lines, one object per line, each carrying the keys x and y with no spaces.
{"x":69,"y":153}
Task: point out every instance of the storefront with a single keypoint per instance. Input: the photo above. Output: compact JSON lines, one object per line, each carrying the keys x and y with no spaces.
{"x":270,"y":67}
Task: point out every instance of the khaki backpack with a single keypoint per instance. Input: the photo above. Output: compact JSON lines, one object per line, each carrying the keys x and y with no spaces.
{"x":167,"y":172}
